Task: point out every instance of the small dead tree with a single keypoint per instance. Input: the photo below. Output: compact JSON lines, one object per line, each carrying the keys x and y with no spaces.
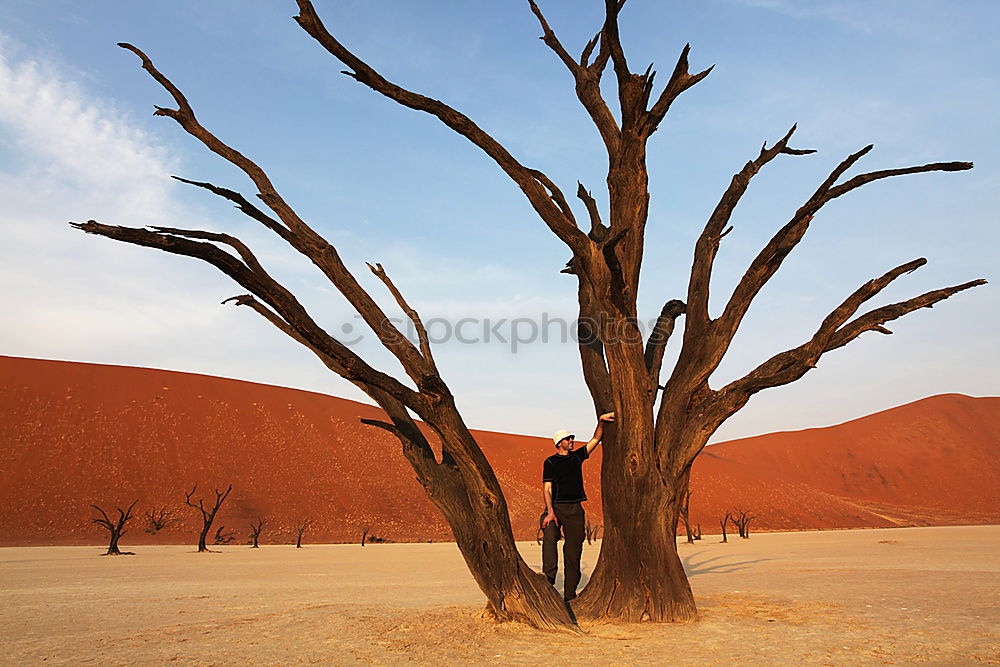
{"x":697,"y":532}
{"x":364,"y":536}
{"x":159,"y":518}
{"x":724,"y":522}
{"x":223,"y":536}
{"x":741,"y":518}
{"x":115,"y":527}
{"x":685,"y":510}
{"x":592,"y":532}
{"x":301,"y":528}
{"x":255,"y":530}
{"x":208,"y":516}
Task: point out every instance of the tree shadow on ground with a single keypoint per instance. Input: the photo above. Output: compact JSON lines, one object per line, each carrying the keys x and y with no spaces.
{"x":693,"y":568}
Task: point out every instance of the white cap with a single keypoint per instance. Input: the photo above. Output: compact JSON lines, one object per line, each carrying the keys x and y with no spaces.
{"x":561,"y":435}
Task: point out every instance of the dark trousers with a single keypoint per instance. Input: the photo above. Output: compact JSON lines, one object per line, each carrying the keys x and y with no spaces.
{"x":571,"y":520}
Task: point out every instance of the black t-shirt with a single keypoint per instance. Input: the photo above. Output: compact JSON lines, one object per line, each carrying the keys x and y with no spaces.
{"x":566,"y":474}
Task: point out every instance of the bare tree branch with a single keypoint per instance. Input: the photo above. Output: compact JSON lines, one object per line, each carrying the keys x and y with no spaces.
{"x":598,"y":232}
{"x":656,"y":344}
{"x":244,"y":205}
{"x":833,"y":333}
{"x":425,"y":346}
{"x":767,"y":262}
{"x":680,"y":80}
{"x":587,"y":79}
{"x":614,"y":43}
{"x":532,"y":188}
{"x":873,"y":320}
{"x":293,"y":315}
{"x":697,"y":318}
{"x":304,"y":238}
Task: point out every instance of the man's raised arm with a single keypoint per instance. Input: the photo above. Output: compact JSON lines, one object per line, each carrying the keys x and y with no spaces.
{"x":599,"y":431}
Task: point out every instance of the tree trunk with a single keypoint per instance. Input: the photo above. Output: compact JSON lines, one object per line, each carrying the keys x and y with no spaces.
{"x":465,"y":489}
{"x":203,"y":538}
{"x":113,"y":547}
{"x":639,"y":575}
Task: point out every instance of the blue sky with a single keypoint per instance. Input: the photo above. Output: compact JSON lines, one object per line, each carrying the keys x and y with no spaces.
{"x":77,"y":141}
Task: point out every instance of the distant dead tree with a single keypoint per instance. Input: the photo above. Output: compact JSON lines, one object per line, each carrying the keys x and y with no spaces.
{"x":115,"y":527}
{"x":255,"y":531}
{"x":159,"y":518}
{"x":223,"y":536}
{"x":685,"y":511}
{"x":592,"y":532}
{"x":364,"y":536}
{"x":697,"y":532}
{"x":208,"y":516}
{"x":723,"y":522}
{"x":741,"y":518}
{"x":301,"y":528}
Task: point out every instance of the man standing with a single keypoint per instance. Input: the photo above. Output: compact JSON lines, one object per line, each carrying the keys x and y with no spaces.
{"x":562,"y":489}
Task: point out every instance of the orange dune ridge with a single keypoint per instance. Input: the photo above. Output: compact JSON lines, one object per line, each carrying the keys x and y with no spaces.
{"x":76,"y":434}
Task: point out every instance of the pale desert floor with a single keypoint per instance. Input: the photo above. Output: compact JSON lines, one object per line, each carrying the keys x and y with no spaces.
{"x":900,"y":596}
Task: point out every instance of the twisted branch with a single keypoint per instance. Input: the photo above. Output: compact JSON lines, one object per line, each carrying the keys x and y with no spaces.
{"x":553,"y":216}
{"x":296,"y":232}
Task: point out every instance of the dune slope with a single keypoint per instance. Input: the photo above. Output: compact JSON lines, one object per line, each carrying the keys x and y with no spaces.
{"x":76,"y":434}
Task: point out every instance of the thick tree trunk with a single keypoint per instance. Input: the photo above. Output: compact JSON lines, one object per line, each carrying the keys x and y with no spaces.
{"x":203,"y":538}
{"x":465,"y":489}
{"x":113,"y":547}
{"x":639,"y":576}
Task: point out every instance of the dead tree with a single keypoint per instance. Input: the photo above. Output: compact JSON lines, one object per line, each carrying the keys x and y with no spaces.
{"x":697,"y":532}
{"x":115,"y":527}
{"x":685,"y":510}
{"x":364,"y":536}
{"x":255,"y":530}
{"x":158,"y":518}
{"x":723,"y":522}
{"x":223,"y":536}
{"x":660,"y":426}
{"x":592,"y":532}
{"x":741,"y":518}
{"x":300,"y":529}
{"x":207,"y":515}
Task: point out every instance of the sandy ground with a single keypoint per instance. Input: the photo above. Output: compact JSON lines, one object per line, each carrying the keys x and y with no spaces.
{"x":895,"y":596}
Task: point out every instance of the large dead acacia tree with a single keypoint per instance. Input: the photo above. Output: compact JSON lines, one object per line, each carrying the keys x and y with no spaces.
{"x":660,"y":428}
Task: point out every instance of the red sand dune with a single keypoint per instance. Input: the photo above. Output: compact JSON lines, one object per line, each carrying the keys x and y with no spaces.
{"x":73,"y":434}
